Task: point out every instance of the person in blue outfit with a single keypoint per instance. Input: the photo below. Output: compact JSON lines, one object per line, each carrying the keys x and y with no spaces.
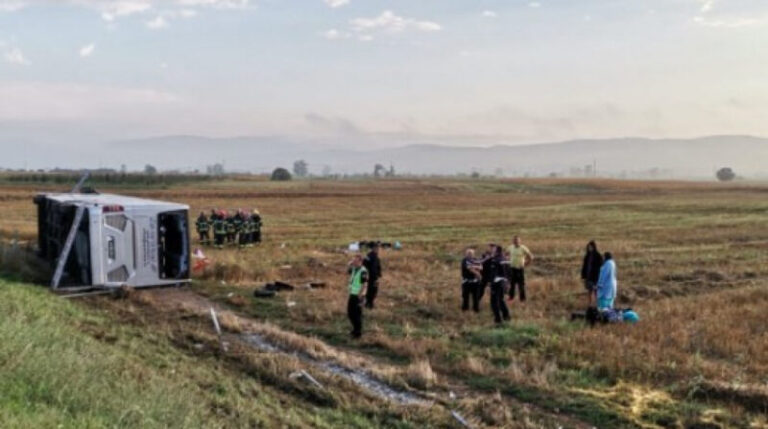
{"x":606,"y":283}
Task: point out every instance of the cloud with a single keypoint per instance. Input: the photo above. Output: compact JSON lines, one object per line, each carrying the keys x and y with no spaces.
{"x":157,"y":23}
{"x":217,"y":4}
{"x":87,"y":50}
{"x":489,"y":14}
{"x":113,"y":10}
{"x":534,"y":4}
{"x":729,"y":22}
{"x":15,"y":56}
{"x":11,"y":6}
{"x":334,"y":34}
{"x":706,"y":6}
{"x":64,"y":101}
{"x":336,"y":3}
{"x":389,"y":22}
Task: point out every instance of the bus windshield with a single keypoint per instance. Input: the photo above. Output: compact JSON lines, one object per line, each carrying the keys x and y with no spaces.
{"x":173,"y":245}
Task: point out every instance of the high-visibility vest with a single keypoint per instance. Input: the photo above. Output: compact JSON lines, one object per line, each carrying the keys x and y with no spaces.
{"x":219,"y":227}
{"x":230,"y":225}
{"x":356,"y":280}
{"x":202,"y":225}
{"x":238,"y":223}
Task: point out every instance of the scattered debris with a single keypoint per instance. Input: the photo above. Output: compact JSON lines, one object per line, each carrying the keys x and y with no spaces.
{"x":460,"y":419}
{"x":201,"y":261}
{"x":316,"y":285}
{"x":217,"y":327}
{"x":279,"y":286}
{"x":263,"y":293}
{"x":290,"y":304}
{"x":304,"y":375}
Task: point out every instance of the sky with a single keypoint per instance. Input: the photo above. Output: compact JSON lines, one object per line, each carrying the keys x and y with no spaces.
{"x":459,"y":71}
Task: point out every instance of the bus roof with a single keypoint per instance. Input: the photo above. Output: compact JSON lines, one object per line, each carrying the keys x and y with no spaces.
{"x":112,"y":199}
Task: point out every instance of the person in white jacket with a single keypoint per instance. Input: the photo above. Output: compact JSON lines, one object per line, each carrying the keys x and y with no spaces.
{"x":607,"y":284}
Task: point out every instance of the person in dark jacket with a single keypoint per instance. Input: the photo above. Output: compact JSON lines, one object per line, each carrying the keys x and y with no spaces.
{"x":358,"y":275}
{"x":372,"y":263}
{"x":203,"y":227}
{"x":497,"y":272}
{"x":590,"y":271}
{"x":471,"y":276}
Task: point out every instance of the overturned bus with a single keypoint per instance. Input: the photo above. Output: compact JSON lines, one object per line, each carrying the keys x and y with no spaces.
{"x":106,"y":241}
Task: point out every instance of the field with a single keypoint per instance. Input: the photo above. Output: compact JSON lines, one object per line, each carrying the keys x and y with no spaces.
{"x":691,"y":260}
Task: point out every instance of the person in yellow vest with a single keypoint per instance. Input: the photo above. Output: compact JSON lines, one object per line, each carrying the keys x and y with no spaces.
{"x":519,"y":258}
{"x":358,"y":277}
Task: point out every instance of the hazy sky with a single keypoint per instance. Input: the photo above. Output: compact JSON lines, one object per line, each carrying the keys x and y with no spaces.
{"x":520,"y":71}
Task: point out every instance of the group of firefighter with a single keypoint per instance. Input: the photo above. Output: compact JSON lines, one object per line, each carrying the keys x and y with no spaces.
{"x":238,"y":227}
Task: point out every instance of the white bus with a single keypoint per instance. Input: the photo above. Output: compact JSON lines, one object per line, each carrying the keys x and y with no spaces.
{"x":119,"y":240}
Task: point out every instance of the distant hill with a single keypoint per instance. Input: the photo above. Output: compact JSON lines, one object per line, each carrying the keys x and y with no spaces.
{"x":635,"y":157}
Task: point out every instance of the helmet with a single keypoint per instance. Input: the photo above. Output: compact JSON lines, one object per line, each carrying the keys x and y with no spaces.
{"x":630,"y":317}
{"x":255,"y":211}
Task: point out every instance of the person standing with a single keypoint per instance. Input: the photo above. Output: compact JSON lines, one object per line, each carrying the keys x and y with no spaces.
{"x":203,"y":227}
{"x":498,"y":275}
{"x":219,"y":229}
{"x":372,"y":263}
{"x":590,"y":271}
{"x":607,"y":284}
{"x":230,"y":227}
{"x":471,"y":276}
{"x":519,"y":258}
{"x":238,"y":221}
{"x":256,"y":218}
{"x":358,"y":276}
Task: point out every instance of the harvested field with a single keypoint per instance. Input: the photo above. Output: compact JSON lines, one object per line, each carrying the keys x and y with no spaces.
{"x":691,"y":260}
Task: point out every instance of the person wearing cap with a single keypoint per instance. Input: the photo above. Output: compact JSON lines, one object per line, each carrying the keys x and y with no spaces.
{"x":519,"y":258}
{"x":358,"y":277}
{"x":373,"y":265}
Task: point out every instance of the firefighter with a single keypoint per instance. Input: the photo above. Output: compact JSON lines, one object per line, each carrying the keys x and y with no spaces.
{"x":248,"y":226}
{"x":203,"y":226}
{"x":240,"y":226}
{"x":256,"y":218}
{"x":219,"y":229}
{"x":230,"y":228}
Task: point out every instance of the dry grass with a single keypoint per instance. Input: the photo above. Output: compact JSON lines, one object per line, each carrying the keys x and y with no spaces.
{"x":691,"y":260}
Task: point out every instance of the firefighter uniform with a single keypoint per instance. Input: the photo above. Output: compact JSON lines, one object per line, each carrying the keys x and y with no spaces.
{"x":203,"y":227}
{"x":219,"y":231}
{"x":230,"y":229}
{"x":256,"y":219}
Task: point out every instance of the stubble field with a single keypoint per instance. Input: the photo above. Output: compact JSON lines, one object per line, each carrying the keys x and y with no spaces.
{"x":691,"y":261}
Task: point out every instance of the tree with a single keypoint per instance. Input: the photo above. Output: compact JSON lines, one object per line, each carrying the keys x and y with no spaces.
{"x":150,"y":169}
{"x":281,"y":174}
{"x":725,"y":174}
{"x":378,"y":169}
{"x":215,"y":169}
{"x":300,"y":168}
